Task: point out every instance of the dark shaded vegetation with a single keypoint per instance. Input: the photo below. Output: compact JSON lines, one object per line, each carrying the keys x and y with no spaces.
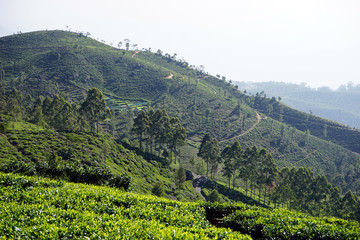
{"x":72,"y":172}
{"x":262,"y":223}
{"x":146,"y":155}
{"x":296,"y":188}
{"x":232,"y":194}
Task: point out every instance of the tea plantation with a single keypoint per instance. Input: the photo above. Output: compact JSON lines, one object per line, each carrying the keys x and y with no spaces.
{"x":39,"y":208}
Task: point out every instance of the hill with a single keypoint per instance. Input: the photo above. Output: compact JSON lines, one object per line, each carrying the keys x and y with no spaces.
{"x":46,"y":63}
{"x":337,"y":105}
{"x":85,"y":157}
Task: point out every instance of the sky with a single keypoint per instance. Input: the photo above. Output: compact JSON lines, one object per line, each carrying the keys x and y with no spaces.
{"x":311,"y":41}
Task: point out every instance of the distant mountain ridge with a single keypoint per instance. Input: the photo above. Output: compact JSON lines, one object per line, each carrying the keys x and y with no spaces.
{"x":340,"y":105}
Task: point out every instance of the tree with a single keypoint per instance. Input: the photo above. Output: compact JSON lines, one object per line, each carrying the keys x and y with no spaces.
{"x":349,"y":204}
{"x":127,"y":44}
{"x":13,"y":106}
{"x":228,"y":170}
{"x":4,"y":126}
{"x":177,"y":135}
{"x":106,"y":148}
{"x":141,"y":126}
{"x":200,"y":167}
{"x":158,"y":189}
{"x":2,"y":75}
{"x":36,"y":115}
{"x":283,"y":190}
{"x":159,"y":127}
{"x":159,"y":52}
{"x":249,"y":168}
{"x":134,"y":47}
{"x":236,"y":111}
{"x":120,"y":45}
{"x":302,"y":179}
{"x":214,"y":163}
{"x":209,"y":150}
{"x":232,"y":156}
{"x":214,"y":196}
{"x":283,"y":194}
{"x":180,"y":177}
{"x":63,"y":114}
{"x":319,"y":190}
{"x":207,"y":113}
{"x":94,"y":107}
{"x":268,"y":173}
{"x":334,"y":202}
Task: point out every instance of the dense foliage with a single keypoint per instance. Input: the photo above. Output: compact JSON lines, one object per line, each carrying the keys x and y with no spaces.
{"x":263,"y":223}
{"x":295,"y":188}
{"x":41,"y":208}
{"x":54,"y":167}
{"x":157,"y":128}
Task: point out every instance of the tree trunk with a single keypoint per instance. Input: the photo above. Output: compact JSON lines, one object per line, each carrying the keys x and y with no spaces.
{"x":234,"y":181}
{"x":207,"y":168}
{"x":251,"y":190}
{"x":265,"y":195}
{"x":246,"y":187}
{"x":175,"y":155}
{"x":259,"y":193}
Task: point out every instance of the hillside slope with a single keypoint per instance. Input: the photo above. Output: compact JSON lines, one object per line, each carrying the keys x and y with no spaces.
{"x":58,"y":62}
{"x":337,"y":105}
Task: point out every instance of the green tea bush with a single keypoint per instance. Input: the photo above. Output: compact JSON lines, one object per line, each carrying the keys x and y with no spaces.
{"x":283,"y":224}
{"x":48,"y":209}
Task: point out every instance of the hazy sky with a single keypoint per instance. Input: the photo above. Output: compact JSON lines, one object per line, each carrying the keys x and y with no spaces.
{"x":313,"y":41}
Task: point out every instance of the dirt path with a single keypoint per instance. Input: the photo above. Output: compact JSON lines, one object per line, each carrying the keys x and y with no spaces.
{"x":198,"y":182}
{"x":258,"y":119}
{"x":170,"y":76}
{"x":136,"y":52}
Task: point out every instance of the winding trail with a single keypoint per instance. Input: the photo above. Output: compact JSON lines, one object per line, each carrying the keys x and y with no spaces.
{"x":258,"y":119}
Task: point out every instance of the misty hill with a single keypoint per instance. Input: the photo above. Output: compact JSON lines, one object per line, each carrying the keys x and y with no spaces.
{"x":47,"y":63}
{"x":339,"y":105}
